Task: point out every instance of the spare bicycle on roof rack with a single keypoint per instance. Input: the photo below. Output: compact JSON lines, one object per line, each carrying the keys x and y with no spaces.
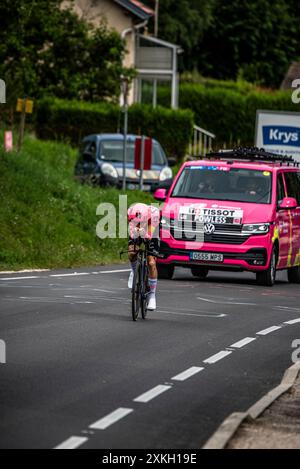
{"x":236,"y":210}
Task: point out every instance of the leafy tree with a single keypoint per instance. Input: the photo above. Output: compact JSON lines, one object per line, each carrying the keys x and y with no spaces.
{"x":183,"y":22}
{"x":256,"y":39}
{"x":47,"y":50}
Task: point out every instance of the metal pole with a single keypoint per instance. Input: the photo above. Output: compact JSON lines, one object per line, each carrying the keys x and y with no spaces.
{"x":125,"y":130}
{"x":174,"y":80}
{"x":142,"y":161}
{"x":22,"y":125}
{"x":156,"y":18}
{"x":154,"y":97}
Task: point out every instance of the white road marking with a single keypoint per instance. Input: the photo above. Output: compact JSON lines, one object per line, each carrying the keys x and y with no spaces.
{"x":111,"y":418}
{"x":287,"y":308}
{"x":218,"y":356}
{"x":208,"y":315}
{"x":72,"y":443}
{"x":292,"y":321}
{"x":225,"y":302}
{"x":206,"y":299}
{"x":243,"y":342}
{"x":70,"y":275}
{"x":114,"y":271}
{"x":268,"y":330}
{"x":154,"y":392}
{"x":19,"y":278}
{"x":5,"y":272}
{"x":64,"y":300}
{"x":187,"y":373}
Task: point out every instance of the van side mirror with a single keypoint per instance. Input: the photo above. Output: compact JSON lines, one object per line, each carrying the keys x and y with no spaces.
{"x":160,"y":194}
{"x":88,"y":157}
{"x":288,"y":203}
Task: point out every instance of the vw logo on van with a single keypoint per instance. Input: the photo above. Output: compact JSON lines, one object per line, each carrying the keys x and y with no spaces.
{"x":209,"y":228}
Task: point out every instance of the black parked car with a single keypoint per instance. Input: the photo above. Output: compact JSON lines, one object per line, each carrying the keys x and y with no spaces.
{"x":101,"y":162}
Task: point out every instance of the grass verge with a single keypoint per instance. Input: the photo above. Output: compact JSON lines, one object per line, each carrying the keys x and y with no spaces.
{"x":47,"y":220}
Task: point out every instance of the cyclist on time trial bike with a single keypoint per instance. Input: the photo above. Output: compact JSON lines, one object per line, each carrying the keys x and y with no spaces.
{"x":144,"y":224}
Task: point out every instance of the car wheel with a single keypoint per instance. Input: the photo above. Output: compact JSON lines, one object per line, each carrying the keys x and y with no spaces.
{"x":267,"y":277}
{"x":165,"y":271}
{"x":200,"y":272}
{"x":294,"y":274}
{"x":92,"y":180}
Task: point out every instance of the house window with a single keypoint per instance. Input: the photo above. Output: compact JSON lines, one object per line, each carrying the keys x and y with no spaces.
{"x":154,"y":91}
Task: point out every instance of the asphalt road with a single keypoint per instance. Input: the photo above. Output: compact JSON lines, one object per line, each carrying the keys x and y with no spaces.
{"x":80,"y":373}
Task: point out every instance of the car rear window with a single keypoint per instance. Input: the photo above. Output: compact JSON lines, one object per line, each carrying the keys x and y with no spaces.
{"x":222,"y":183}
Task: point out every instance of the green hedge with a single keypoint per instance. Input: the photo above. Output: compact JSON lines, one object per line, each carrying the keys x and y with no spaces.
{"x":231,"y":114}
{"x":227,"y":108}
{"x":72,"y":120}
{"x":241,"y":86}
{"x":227,"y":111}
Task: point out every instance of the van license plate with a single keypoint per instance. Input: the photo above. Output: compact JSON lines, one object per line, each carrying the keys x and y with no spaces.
{"x":206,"y":256}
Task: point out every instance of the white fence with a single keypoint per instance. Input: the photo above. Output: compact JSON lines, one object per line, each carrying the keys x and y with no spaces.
{"x":201,"y":142}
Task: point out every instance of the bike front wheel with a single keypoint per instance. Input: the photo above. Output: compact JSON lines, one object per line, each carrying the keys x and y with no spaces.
{"x":144,"y":293}
{"x":136,"y":293}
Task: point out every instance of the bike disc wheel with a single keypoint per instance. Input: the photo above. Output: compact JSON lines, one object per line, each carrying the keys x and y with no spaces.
{"x":136,"y":294}
{"x":144,"y":299}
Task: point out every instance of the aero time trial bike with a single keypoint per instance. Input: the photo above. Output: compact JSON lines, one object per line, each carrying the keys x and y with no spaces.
{"x":140,"y":286}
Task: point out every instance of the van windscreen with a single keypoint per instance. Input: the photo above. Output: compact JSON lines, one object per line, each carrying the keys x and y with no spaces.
{"x":112,"y":150}
{"x":222,"y":183}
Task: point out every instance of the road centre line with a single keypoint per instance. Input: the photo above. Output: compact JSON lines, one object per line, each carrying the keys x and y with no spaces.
{"x":268,"y":330}
{"x":72,"y":443}
{"x":241,"y":343}
{"x":111,"y":418}
{"x":292,"y":321}
{"x":218,"y":356}
{"x":152,"y":393}
{"x":187,"y":373}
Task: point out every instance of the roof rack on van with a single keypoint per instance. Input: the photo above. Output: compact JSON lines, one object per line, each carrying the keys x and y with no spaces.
{"x":252,"y":154}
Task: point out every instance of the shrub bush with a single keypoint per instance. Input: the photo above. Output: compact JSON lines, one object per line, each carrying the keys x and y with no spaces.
{"x":72,"y":120}
{"x":231,"y":114}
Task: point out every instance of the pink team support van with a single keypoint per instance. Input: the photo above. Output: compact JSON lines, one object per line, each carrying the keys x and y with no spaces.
{"x":237,"y":210}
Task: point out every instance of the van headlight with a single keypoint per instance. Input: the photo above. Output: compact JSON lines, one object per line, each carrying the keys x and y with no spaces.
{"x":256,"y":228}
{"x":109,"y":170}
{"x":166,"y":173}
